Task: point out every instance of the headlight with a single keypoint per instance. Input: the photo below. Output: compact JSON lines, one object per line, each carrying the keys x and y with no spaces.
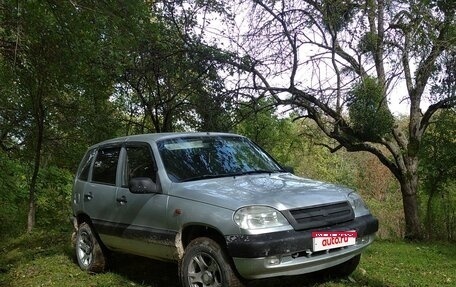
{"x":356,"y":202}
{"x":259,"y":217}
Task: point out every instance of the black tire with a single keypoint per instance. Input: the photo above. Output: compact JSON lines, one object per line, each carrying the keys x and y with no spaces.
{"x":343,"y":269}
{"x":205,"y":264}
{"x":89,"y":253}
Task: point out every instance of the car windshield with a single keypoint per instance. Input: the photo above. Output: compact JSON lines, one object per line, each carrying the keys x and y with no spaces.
{"x":195,"y":158}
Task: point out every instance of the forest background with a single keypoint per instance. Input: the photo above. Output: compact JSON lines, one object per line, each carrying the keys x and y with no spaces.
{"x":74,"y":73}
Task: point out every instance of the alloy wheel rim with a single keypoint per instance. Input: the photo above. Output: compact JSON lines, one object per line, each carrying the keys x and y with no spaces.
{"x":204,"y":271}
{"x":85,"y":249}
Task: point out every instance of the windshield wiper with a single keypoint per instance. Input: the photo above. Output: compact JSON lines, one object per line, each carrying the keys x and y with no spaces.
{"x":258,"y":171}
{"x":206,"y":176}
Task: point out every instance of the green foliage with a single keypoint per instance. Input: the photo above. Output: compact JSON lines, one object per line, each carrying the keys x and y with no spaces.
{"x":66,"y":58}
{"x":54,"y":197}
{"x":59,"y":75}
{"x":278,"y":136}
{"x":369,"y":113}
{"x":438,"y":176}
{"x":171,"y":81}
{"x":337,"y":14}
{"x":368,"y":42}
{"x":77,"y":123}
{"x":314,"y":160}
{"x":444,"y":77}
{"x":13,"y":186}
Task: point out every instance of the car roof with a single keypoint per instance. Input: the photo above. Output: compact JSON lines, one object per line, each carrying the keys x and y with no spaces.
{"x":159,"y":136}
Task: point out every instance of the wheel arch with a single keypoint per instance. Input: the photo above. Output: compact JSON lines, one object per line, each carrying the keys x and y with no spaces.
{"x":192,"y":231}
{"x":82,"y":217}
{"x":85,"y":218}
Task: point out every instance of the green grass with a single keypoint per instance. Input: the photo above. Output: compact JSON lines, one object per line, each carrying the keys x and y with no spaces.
{"x":408,"y":264}
{"x":46,"y":259}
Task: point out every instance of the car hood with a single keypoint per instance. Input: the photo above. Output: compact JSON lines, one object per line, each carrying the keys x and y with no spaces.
{"x":282,"y":191}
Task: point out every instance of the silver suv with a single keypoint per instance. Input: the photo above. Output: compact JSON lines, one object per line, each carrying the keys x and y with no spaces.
{"x":215,"y":203}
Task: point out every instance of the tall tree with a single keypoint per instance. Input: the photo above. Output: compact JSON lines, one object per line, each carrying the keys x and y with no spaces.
{"x":438,"y":173}
{"x":438,"y":157}
{"x":169,"y":83}
{"x":57,"y":58}
{"x":340,"y":62}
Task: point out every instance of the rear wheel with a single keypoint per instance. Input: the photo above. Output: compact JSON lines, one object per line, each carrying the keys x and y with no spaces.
{"x":89,"y":253}
{"x":205,"y":264}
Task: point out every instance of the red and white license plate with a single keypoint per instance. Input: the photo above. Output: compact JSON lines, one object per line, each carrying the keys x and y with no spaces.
{"x":324,"y":240}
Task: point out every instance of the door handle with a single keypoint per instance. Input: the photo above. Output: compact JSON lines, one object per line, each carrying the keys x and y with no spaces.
{"x":88,"y":196}
{"x":122,"y":200}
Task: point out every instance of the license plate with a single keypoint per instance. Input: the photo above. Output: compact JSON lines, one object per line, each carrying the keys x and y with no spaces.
{"x":324,"y":240}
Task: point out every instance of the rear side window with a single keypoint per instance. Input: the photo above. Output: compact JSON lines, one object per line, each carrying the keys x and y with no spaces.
{"x":105,"y":166}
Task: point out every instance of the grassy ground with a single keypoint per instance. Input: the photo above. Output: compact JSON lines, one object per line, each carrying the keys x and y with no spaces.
{"x":46,"y":259}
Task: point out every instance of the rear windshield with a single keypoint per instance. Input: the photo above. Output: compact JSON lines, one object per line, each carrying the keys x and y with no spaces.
{"x":195,"y":158}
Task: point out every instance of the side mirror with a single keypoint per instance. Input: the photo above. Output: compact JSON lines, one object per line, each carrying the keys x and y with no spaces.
{"x":142,"y":185}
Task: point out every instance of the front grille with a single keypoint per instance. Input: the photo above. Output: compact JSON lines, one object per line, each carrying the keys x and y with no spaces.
{"x":319,"y":216}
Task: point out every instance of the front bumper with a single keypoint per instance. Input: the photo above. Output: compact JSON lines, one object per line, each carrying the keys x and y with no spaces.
{"x":290,"y":252}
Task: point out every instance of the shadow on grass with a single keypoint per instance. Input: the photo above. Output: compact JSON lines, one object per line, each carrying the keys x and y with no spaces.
{"x":151,"y":272}
{"x":156,"y":273}
{"x":144,"y":271}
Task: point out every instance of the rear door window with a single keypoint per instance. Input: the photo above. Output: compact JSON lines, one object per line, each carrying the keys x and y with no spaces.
{"x":105,"y":165}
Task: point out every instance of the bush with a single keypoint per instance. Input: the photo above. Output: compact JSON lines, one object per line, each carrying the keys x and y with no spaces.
{"x":53,"y":197}
{"x":14,"y":193}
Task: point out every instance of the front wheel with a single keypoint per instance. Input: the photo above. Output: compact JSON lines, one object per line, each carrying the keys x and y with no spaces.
{"x":205,"y":264}
{"x":89,"y":253}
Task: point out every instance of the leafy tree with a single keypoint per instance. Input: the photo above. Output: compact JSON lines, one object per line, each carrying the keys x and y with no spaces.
{"x":438,"y":173}
{"x":67,"y":66}
{"x":321,"y":56}
{"x":277,"y":135}
{"x":31,"y":66}
{"x":58,"y":64}
{"x":168,"y":84}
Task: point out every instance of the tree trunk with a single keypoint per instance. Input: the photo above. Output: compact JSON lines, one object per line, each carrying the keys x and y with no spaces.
{"x":39,"y":115}
{"x":32,"y":210}
{"x":413,"y":229}
{"x":32,"y":189}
